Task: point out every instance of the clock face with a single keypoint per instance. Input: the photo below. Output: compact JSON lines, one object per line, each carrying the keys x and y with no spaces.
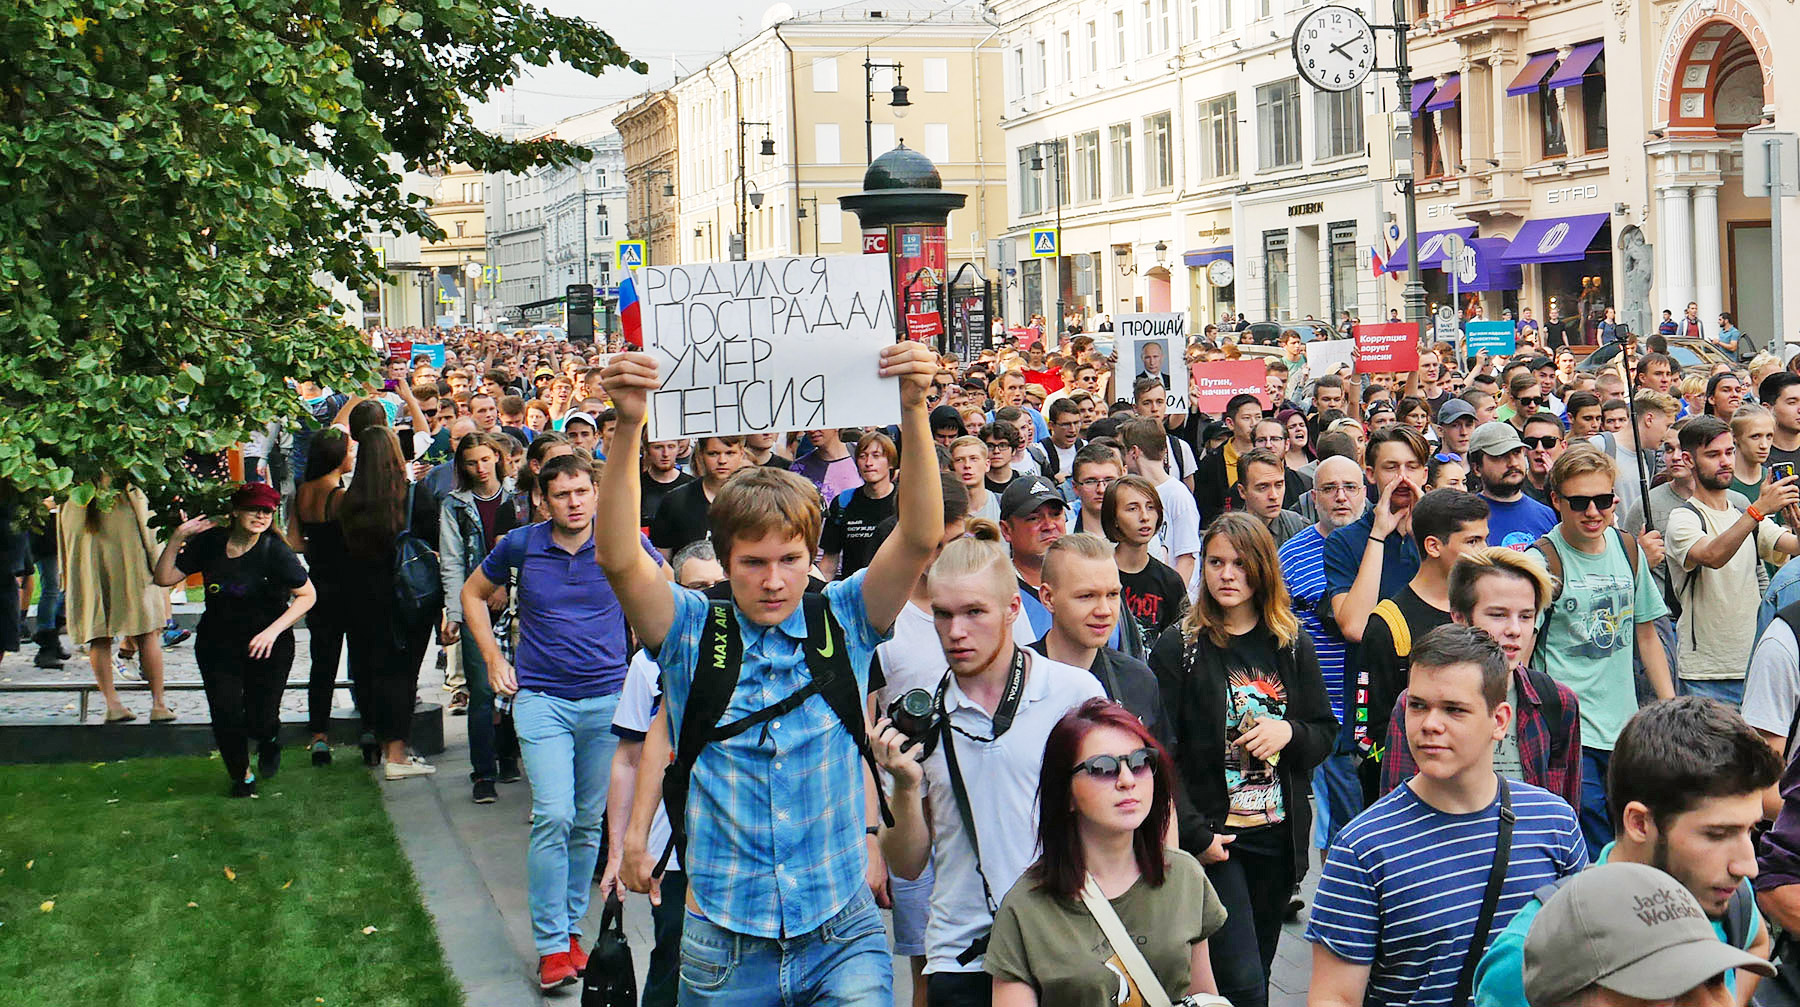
{"x":1334,"y":48}
{"x":1220,"y":272}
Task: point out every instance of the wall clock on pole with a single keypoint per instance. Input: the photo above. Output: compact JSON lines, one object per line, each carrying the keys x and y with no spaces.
{"x":1334,"y":47}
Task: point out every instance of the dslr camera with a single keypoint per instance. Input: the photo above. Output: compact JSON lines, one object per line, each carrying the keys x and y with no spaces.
{"x":915,"y":714}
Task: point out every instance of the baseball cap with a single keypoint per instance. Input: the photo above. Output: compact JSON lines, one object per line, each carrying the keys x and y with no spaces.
{"x":1026,"y":494}
{"x":255,"y":495}
{"x":1494,"y":437}
{"x":1540,"y":362}
{"x":587,"y":418}
{"x":1631,"y":929}
{"x":543,"y":372}
{"x":1453,"y":410}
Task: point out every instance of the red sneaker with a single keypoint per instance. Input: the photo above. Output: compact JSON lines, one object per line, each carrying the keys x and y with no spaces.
{"x":555,"y":970}
{"x":577,"y":957}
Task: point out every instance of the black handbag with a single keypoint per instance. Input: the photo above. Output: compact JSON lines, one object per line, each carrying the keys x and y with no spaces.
{"x":610,"y":979}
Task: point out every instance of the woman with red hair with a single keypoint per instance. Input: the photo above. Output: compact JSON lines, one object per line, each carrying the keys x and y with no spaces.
{"x":1105,"y":806}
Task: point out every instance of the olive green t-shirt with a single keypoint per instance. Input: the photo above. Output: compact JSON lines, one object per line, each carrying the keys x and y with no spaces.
{"x":1053,"y":943}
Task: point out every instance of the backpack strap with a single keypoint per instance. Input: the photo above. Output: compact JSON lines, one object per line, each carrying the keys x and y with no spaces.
{"x":1369,"y":747}
{"x":1546,"y":547}
{"x":1740,"y":917}
{"x":1396,"y":623}
{"x":1630,"y":545}
{"x":828,"y":658}
{"x":1550,"y":701}
{"x":715,"y":679}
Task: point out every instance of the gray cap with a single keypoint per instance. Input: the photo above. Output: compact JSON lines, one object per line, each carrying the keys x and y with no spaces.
{"x":1453,"y":410}
{"x":1495,"y":437}
{"x":1631,"y":929}
{"x":1026,"y":494}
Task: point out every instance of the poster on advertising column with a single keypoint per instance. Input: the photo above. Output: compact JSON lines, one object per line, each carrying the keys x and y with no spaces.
{"x":771,"y":344}
{"x":1150,"y":345}
{"x":1387,"y":347}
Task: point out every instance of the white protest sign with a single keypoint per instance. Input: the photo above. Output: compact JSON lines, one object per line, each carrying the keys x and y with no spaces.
{"x":771,"y":344}
{"x":1152,"y":345}
{"x":1325,"y":356}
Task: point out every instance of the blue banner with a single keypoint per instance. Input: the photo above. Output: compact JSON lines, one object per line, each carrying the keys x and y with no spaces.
{"x":1500,"y":339}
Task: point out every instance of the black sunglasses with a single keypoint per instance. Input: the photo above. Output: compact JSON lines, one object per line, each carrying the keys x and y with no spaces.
{"x":1603,"y":501}
{"x":1543,"y":443}
{"x":1529,"y":400}
{"x":1108,"y":767}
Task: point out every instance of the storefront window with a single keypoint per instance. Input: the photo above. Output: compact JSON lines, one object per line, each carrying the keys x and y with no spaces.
{"x":1275,"y":275}
{"x":1431,"y":152}
{"x":1593,"y":106}
{"x":1344,"y":274}
{"x":1550,"y":125}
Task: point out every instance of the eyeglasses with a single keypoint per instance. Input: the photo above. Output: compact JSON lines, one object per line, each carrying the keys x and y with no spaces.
{"x":1602,"y":501}
{"x":1543,"y":443}
{"x":999,"y":446}
{"x":1095,"y":482}
{"x":1108,"y":767}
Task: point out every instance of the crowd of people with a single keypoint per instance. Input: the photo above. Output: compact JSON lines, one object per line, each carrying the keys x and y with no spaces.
{"x":1077,"y":686}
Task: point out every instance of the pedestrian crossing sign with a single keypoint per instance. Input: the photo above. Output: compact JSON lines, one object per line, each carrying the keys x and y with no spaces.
{"x":1043,"y":243}
{"x":631,"y":254}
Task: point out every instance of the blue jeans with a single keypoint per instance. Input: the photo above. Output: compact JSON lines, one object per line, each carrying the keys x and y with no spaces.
{"x":844,"y":962}
{"x":1337,"y":794}
{"x":567,"y":746}
{"x":1729,"y":691}
{"x":50,"y":599}
{"x":482,"y":760}
{"x":1596,"y":819}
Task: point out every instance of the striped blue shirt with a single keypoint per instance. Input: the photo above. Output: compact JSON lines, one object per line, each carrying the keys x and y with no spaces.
{"x":1303,"y":567}
{"x":1402,"y":886}
{"x":775,"y":814}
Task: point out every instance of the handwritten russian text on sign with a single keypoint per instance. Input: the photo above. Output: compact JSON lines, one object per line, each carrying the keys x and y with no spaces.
{"x":775,"y":344}
{"x":1216,"y":383}
{"x":1150,"y":346}
{"x":1387,"y":347}
{"x":1500,"y":339}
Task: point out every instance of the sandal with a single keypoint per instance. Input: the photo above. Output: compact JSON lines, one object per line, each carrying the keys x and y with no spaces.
{"x":119,"y":717}
{"x":161,"y":715}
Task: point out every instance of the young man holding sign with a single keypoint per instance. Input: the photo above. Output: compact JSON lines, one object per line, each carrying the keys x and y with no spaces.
{"x":779,"y":909}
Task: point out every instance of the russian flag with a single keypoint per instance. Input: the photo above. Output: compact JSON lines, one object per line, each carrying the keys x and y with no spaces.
{"x":630,"y":315}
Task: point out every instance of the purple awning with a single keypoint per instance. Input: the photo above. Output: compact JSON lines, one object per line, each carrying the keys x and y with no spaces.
{"x":1491,"y":272}
{"x":1421,"y":92}
{"x":1579,"y":60}
{"x":1529,"y":78}
{"x":1204,"y":256}
{"x":1431,"y":249}
{"x":1555,"y":239}
{"x":1446,"y":95}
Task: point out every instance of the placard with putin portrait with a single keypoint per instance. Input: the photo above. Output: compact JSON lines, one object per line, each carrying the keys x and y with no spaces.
{"x":1149,"y":345}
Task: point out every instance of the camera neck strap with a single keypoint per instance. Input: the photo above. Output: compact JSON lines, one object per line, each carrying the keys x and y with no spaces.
{"x":1002,"y":718}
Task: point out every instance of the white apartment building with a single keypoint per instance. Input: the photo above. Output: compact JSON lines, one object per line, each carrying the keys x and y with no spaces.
{"x":1186,"y":138}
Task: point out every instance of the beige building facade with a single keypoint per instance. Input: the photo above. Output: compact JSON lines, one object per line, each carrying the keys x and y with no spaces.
{"x":648,"y":130}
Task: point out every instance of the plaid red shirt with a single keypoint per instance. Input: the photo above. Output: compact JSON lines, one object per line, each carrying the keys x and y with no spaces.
{"x":1546,"y":764}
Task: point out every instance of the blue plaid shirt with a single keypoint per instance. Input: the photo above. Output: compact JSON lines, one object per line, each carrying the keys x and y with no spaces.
{"x":775,"y":815}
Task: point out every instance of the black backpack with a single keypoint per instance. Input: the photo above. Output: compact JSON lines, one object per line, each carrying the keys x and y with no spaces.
{"x":715,"y":679}
{"x":418,"y":584}
{"x":610,"y":979}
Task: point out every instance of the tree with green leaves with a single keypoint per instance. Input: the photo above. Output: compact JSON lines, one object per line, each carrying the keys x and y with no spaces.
{"x":167,"y":231}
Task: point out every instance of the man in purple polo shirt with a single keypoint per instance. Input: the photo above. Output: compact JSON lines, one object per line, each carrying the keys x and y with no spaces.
{"x":571,"y":663}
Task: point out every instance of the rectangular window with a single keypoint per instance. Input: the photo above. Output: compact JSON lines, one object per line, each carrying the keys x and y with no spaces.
{"x":1118,"y":140}
{"x":1219,"y":137}
{"x":825,"y":143}
{"x":1162,"y":25}
{"x":1087,"y":166}
{"x":1159,"y":152}
{"x":937,"y":75}
{"x":937,"y":141}
{"x":1093,"y":47}
{"x":824,"y":74}
{"x":1275,"y":275}
{"x":1550,"y":125}
{"x":831,"y":224}
{"x":605,"y":227}
{"x":1118,"y":38}
{"x":1031,"y":184}
{"x":1067,"y":54}
{"x":1019,"y":88}
{"x":1225,"y":14}
{"x":1344,"y":274}
{"x":1338,"y":118}
{"x":1058,"y":162}
{"x":1278,"y":124}
{"x":883,"y":135}
{"x":1263,"y":8}
{"x":1593,"y":106}
{"x":1043,"y":64}
{"x":1149,"y":28}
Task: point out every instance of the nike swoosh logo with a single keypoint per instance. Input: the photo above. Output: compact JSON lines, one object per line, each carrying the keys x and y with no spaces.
{"x":830,"y":647}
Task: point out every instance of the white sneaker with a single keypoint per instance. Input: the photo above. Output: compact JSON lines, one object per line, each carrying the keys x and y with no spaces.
{"x":124,"y":672}
{"x":413,"y":766}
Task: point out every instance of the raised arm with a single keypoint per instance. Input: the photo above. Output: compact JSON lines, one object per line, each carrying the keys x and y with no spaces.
{"x":902,"y":558}
{"x":635,"y":577}
{"x":166,"y":574}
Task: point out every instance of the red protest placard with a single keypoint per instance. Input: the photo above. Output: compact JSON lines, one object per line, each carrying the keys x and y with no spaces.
{"x":1387,"y":347}
{"x":924,"y":325}
{"x":1217,"y":382}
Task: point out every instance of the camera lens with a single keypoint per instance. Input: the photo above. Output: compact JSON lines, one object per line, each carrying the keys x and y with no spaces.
{"x":915,"y":703}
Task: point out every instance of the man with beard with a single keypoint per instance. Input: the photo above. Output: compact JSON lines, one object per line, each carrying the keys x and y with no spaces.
{"x":1498,"y":456}
{"x":1714,"y":541}
{"x":1687,"y":793}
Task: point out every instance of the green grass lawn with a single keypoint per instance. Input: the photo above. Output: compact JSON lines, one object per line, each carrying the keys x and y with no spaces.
{"x":140,"y":883}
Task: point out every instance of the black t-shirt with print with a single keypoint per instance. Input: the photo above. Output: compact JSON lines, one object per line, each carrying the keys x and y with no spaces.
{"x":851,"y":527}
{"x":243,"y":594}
{"x":1155,"y":597}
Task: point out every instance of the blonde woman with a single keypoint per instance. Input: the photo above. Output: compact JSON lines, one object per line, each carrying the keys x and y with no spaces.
{"x":108,"y":556}
{"x":1241,"y":685}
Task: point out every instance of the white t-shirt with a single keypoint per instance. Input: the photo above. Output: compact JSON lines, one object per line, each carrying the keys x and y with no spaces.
{"x":1721,"y":601}
{"x":913,"y":658}
{"x":638,"y":699}
{"x":1180,"y":533}
{"x":1002,"y":779}
{"x":1772,"y":686}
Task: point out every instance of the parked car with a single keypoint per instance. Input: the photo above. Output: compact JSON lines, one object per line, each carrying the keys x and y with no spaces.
{"x":1690,"y":355}
{"x":1270,"y":333}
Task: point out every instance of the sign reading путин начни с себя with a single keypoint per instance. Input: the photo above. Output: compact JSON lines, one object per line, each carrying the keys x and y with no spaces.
{"x":773,"y":344}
